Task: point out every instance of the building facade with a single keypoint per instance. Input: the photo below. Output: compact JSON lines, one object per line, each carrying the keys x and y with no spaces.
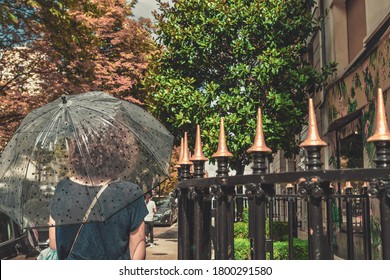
{"x":356,"y":35}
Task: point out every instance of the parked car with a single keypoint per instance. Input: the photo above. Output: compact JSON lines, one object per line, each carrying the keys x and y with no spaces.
{"x":166,"y":210}
{"x":14,"y":241}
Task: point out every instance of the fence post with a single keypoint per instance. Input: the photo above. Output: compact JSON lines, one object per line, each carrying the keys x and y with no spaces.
{"x":202,"y":209}
{"x":313,"y":145}
{"x":179,"y":202}
{"x":366,"y":223}
{"x":329,"y":220}
{"x":348,"y":207}
{"x":291,"y":221}
{"x":185,"y":238}
{"x":224,"y":219}
{"x":381,"y":139}
{"x":270,"y":226}
{"x":256,"y":211}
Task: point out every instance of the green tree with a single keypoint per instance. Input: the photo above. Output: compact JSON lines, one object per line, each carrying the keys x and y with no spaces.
{"x":226,"y":58}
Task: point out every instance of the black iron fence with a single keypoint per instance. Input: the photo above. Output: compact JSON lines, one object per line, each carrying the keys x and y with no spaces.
{"x":208,"y":207}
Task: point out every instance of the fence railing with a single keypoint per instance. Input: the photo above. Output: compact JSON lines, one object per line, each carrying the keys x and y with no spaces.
{"x":203,"y":235}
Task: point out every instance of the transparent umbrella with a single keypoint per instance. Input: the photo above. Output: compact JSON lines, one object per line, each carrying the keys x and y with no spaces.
{"x":93,"y":139}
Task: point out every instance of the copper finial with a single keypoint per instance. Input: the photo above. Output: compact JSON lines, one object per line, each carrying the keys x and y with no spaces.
{"x":198,"y":153}
{"x":222,"y":148}
{"x":348,"y":185}
{"x":313,"y":138}
{"x":382,"y":130}
{"x":180,"y":154}
{"x":186,"y":158}
{"x":259,"y":143}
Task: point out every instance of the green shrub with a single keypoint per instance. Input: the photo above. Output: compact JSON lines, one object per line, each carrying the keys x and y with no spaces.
{"x":241,"y":249}
{"x":241,"y":230}
{"x":280,"y":237}
{"x":301,"y":250}
{"x":280,"y":229}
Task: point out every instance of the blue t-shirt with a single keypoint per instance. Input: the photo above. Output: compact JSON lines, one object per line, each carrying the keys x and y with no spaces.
{"x":121,"y":202}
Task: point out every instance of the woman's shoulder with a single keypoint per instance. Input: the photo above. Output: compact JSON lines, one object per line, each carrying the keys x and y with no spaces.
{"x":122,"y":183}
{"x":63,"y":183}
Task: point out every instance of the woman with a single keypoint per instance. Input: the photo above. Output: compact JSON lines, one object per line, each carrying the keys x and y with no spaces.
{"x":95,"y":214}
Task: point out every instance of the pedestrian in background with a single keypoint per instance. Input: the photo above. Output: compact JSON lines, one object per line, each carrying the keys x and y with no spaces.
{"x":151,"y":206}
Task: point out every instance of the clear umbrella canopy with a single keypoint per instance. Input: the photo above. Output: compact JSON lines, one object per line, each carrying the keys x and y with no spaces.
{"x":92,"y":139}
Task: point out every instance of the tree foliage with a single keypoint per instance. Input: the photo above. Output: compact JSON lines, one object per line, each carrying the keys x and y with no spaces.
{"x":226,"y":58}
{"x":50,"y":48}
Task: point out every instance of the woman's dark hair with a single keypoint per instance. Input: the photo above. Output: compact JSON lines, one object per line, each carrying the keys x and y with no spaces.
{"x":104,"y":153}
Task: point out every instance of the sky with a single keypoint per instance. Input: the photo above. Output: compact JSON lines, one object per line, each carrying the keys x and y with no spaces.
{"x":144,"y":8}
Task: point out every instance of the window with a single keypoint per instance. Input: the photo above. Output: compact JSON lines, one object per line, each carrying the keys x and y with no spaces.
{"x":356,"y":26}
{"x":351,"y":150}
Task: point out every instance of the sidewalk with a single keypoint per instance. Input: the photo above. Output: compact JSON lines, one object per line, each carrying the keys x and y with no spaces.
{"x":166,"y":245}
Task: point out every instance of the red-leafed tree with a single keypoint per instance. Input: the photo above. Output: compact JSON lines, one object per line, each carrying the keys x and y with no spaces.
{"x":49,"y":48}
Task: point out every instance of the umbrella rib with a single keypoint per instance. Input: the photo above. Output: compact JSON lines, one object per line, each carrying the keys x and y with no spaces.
{"x":95,"y":110}
{"x":51,"y":122}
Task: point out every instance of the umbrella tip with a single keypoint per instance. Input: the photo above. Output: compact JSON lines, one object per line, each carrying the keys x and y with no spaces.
{"x":63,"y":97}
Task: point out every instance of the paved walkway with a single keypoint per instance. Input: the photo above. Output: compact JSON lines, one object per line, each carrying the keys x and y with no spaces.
{"x":166,"y":244}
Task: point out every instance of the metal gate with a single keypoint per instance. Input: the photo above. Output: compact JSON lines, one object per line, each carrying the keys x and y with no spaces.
{"x":207,"y":206}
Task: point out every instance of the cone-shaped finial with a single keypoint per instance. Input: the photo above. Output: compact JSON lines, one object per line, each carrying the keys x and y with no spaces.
{"x":222,"y":148}
{"x":186,"y":158}
{"x":198,"y":153}
{"x":180,"y":153}
{"x":382,"y":132}
{"x":259,"y":143}
{"x":313,"y":138}
{"x":348,"y":185}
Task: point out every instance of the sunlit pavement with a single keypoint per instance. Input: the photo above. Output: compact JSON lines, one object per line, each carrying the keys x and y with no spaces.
{"x":165,"y":239}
